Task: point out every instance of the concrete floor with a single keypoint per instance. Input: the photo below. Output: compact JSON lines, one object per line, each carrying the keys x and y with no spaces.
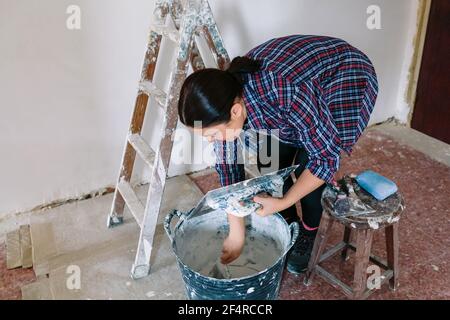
{"x":105,"y":255}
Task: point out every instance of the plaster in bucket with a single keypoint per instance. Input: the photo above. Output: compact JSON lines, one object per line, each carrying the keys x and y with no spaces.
{"x":205,"y":245}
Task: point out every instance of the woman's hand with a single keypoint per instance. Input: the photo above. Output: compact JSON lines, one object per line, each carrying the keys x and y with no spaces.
{"x":304,"y":185}
{"x":232,"y":248}
{"x":234,"y":243}
{"x":270,"y":205}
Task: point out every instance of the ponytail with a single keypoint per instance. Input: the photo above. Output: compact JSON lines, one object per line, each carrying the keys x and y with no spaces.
{"x":241,"y":65}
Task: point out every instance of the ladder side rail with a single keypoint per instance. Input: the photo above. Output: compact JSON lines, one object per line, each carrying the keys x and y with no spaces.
{"x":137,"y":119}
{"x":213,"y":38}
{"x":141,"y":266}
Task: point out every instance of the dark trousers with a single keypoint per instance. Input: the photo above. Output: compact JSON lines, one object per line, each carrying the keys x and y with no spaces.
{"x":288,"y":156}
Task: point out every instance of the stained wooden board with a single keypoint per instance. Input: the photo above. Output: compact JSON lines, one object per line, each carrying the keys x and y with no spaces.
{"x":25,"y":246}
{"x":13,"y":254}
{"x":44,"y":248}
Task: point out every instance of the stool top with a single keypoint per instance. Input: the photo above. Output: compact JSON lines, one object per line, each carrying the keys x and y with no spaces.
{"x":365,"y":211}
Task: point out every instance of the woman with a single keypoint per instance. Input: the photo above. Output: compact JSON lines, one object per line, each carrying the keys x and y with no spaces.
{"x":312,"y":96}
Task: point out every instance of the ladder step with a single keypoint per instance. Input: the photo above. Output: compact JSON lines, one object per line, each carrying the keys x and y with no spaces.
{"x":142,"y":148}
{"x":132,"y":201}
{"x":166,"y":31}
{"x":152,"y":90}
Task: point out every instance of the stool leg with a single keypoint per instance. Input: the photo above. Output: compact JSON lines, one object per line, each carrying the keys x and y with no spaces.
{"x":319,"y":245}
{"x":392,"y":248}
{"x":347,"y":233}
{"x":363,"y":247}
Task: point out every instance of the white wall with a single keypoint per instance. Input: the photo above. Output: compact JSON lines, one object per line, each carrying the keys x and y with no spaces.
{"x":66,"y":96}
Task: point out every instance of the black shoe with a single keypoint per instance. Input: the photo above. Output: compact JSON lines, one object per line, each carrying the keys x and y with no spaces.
{"x":298,"y":258}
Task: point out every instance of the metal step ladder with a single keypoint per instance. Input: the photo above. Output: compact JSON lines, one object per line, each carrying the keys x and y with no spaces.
{"x":191,"y":18}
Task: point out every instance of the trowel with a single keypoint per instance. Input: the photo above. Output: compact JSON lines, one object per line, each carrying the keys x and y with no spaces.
{"x":237,"y":199}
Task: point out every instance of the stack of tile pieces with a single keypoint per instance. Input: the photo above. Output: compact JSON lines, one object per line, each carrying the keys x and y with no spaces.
{"x":32,"y":246}
{"x":18,"y":248}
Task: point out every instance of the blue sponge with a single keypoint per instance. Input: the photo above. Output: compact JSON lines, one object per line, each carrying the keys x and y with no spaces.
{"x":377,"y":185}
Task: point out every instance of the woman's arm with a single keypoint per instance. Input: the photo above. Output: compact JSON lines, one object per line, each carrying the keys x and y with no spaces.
{"x":304,"y":185}
{"x":234,"y":243}
{"x":229,"y":173}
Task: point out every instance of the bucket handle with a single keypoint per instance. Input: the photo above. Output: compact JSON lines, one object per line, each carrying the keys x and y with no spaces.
{"x":168,"y":221}
{"x":295,"y":230}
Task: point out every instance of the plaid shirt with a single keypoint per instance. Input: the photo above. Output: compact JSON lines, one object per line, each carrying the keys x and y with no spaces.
{"x":317,"y":91}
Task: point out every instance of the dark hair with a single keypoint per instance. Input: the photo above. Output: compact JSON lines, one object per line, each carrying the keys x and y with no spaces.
{"x":207,"y":95}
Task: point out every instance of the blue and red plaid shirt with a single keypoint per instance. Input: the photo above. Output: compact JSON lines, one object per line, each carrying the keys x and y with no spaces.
{"x":317,"y":91}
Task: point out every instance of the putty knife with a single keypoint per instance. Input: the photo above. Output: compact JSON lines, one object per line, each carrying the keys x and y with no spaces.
{"x":237,"y":198}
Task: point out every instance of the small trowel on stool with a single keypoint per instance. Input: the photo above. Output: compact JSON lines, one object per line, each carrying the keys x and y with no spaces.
{"x":347,"y":201}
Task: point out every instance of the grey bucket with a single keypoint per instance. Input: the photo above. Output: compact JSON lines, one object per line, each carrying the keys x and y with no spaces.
{"x":263,"y":285}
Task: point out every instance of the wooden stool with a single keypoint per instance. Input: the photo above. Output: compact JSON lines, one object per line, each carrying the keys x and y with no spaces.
{"x":386,"y":216}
